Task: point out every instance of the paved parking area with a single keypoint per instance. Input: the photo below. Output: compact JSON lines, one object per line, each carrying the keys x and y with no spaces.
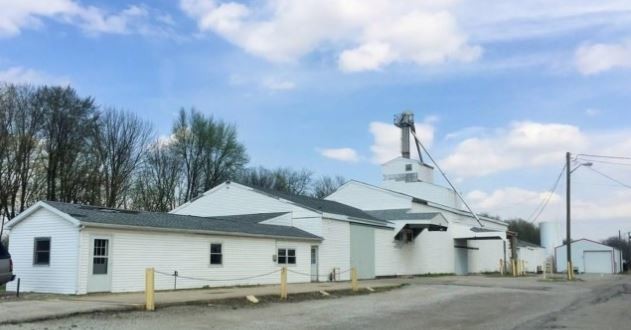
{"x":473,"y":302}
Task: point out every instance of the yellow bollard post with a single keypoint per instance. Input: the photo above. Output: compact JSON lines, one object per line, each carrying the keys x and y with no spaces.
{"x":523,"y":267}
{"x":354,"y":285}
{"x":149,"y":290}
{"x":283,"y":283}
{"x":502,"y":267}
{"x":514,"y":267}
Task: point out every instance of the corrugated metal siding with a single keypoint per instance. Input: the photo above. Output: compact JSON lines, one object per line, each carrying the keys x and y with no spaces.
{"x":61,"y":275}
{"x":233,"y":200}
{"x":578,"y":249}
{"x":335,"y":249}
{"x":533,"y":257}
{"x":133,"y":252}
{"x":487,"y":257}
{"x":362,"y":197}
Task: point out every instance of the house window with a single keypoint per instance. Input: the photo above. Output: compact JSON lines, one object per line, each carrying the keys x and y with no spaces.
{"x":408,"y":167}
{"x":216,"y":257}
{"x":287,"y":256}
{"x":41,"y":251}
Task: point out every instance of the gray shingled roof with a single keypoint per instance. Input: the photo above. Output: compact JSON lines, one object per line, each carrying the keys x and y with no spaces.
{"x":401,"y":214}
{"x":323,"y":205}
{"x":247,"y":224}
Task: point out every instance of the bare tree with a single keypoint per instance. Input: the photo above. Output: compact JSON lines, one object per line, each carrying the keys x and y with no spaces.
{"x":68,"y":127}
{"x":209,"y":150}
{"x":326,"y":185}
{"x":20,"y":121}
{"x":121,"y":140}
{"x":281,"y":179}
{"x":158,"y":180}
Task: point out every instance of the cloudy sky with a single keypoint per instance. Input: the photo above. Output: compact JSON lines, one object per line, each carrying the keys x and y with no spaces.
{"x":500,"y":89}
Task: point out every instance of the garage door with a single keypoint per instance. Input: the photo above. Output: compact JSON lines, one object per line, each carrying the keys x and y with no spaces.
{"x":599,"y":262}
{"x":363,"y":250}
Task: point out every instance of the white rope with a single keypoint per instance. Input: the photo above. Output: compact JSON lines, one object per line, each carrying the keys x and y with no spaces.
{"x":216,"y":280}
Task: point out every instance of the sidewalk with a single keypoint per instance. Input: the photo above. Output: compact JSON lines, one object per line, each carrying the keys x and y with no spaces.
{"x":64,"y":306}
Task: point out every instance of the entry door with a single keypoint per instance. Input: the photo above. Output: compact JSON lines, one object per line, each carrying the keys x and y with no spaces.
{"x":461,"y":257}
{"x":100,"y":277}
{"x":314,"y":264}
{"x":363,"y":251}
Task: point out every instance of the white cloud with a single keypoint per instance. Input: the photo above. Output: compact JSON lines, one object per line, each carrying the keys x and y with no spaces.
{"x":512,"y":202}
{"x":367,"y":34}
{"x":341,"y":154}
{"x":21,"y":75}
{"x":387,"y":139}
{"x":523,"y":144}
{"x":593,"y":112}
{"x":278,"y":84}
{"x":16,"y":16}
{"x":499,"y":20}
{"x":529,"y":144}
{"x":596,"y":58}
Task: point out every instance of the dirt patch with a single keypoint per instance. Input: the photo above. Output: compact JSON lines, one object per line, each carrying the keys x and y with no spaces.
{"x":242,"y":302}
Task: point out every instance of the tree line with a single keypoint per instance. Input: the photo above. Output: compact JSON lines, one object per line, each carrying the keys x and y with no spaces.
{"x":57,"y":145}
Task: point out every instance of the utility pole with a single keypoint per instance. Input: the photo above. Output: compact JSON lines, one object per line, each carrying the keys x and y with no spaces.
{"x":568,"y":169}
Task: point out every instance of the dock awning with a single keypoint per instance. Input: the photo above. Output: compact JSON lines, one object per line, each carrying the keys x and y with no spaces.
{"x":476,"y":233}
{"x":435,"y":223}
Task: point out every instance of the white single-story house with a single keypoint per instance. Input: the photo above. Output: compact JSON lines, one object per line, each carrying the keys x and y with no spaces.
{"x":77,"y":249}
{"x":589,"y":257}
{"x":454,"y":241}
{"x":533,"y":255}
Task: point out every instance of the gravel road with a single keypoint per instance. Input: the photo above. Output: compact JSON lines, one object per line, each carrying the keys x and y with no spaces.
{"x":462,"y":303}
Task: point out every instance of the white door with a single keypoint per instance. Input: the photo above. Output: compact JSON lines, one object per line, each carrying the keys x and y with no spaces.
{"x":598,"y":262}
{"x":100,"y":277}
{"x":314,"y":264}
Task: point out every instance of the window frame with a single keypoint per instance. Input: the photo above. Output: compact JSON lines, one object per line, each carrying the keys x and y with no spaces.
{"x":211,"y":253}
{"x":36,"y":251}
{"x":286,"y":256}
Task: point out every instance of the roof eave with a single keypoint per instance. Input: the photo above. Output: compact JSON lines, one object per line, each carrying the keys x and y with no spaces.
{"x":194,"y":231}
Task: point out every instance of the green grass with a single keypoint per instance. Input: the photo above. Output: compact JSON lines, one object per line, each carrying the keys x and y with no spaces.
{"x":3,"y":288}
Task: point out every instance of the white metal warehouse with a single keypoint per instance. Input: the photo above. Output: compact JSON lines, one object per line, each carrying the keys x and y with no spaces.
{"x":589,"y":257}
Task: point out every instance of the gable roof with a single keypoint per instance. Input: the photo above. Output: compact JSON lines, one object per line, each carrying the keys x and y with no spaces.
{"x":586,"y":240}
{"x":238,"y":225}
{"x":425,"y":202}
{"x":322,"y":205}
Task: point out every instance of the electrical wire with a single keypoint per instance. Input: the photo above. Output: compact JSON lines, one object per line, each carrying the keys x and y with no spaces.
{"x":610,"y":178}
{"x":418,"y":142}
{"x":541,"y":207}
{"x":603,"y":156}
{"x":602,"y":161}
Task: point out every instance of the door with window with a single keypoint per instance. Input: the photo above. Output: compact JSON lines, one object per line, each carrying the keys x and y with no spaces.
{"x":100,"y":276}
{"x":314,"y":264}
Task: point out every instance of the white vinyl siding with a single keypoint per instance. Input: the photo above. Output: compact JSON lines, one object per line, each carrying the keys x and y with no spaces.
{"x":134,"y":251}
{"x":60,"y":275}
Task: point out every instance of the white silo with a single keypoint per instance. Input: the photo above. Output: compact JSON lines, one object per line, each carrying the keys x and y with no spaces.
{"x":550,"y":238}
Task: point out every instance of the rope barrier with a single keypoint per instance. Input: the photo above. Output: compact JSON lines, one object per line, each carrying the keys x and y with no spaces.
{"x":216,"y":280}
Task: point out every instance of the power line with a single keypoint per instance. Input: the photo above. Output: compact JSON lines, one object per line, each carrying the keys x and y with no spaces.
{"x":603,"y":156}
{"x":610,"y":178}
{"x":541,"y":207}
{"x":603,"y":161}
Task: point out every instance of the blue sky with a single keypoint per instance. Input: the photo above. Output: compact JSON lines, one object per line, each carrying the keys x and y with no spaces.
{"x":500,"y":89}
